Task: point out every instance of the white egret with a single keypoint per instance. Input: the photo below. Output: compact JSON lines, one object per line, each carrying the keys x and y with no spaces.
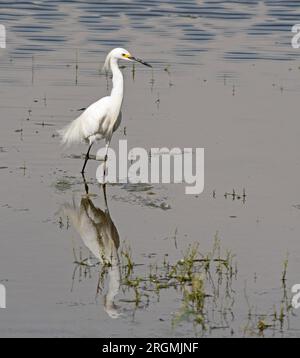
{"x":101,"y":237}
{"x":103,"y":117}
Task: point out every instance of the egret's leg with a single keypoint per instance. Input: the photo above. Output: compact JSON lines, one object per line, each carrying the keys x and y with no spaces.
{"x":104,"y":195}
{"x":86,"y":187}
{"x":105,"y":159}
{"x":106,"y":150}
{"x":87,"y":157}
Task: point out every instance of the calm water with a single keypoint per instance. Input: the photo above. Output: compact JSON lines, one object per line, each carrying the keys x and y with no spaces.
{"x":224,"y":78}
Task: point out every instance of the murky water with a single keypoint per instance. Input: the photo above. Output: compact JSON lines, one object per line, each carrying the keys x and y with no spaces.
{"x":224,"y":78}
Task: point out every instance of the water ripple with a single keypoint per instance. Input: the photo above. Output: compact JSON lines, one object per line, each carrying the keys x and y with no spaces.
{"x":189,"y":26}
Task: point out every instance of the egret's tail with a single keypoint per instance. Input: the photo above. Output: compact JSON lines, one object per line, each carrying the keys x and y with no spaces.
{"x":72,"y":133}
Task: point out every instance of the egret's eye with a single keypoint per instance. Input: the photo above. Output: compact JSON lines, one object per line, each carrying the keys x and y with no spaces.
{"x":123,"y":54}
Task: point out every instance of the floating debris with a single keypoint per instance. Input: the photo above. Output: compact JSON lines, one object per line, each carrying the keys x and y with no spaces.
{"x":43,"y":124}
{"x":63,"y":184}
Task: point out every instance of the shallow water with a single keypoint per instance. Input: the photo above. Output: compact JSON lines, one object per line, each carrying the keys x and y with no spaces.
{"x":224,"y":78}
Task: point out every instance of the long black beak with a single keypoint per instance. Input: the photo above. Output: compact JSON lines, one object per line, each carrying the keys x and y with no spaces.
{"x":140,"y":61}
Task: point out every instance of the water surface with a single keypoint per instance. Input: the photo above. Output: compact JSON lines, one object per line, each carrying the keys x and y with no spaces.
{"x":224,"y":78}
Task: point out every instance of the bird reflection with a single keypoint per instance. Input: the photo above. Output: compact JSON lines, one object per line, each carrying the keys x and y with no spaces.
{"x":101,"y":237}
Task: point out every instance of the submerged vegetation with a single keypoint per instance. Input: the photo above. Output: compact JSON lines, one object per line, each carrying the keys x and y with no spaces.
{"x":192,"y":277}
{"x":203,"y":284}
{"x":277,"y":319}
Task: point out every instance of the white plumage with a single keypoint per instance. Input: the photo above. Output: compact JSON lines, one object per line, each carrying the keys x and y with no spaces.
{"x":101,"y":237}
{"x":103,"y":117}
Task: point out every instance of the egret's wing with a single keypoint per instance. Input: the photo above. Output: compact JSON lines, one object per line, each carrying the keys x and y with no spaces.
{"x":85,"y":228}
{"x":96,"y":215}
{"x":89,"y":123}
{"x":107,"y":232}
{"x":90,"y":236}
{"x":93,"y":117}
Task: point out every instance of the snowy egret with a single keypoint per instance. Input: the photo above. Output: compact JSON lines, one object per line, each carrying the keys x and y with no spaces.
{"x":103,"y":117}
{"x":100,"y":236}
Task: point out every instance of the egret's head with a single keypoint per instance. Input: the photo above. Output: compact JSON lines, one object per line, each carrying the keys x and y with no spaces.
{"x":121,"y":54}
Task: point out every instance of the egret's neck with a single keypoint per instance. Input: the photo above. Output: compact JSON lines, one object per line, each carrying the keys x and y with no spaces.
{"x":118,"y":83}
